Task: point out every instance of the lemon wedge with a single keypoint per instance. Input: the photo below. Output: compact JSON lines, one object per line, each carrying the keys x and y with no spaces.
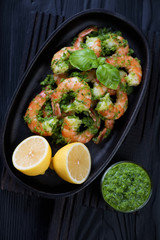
{"x":32,"y":156}
{"x":72,"y":162}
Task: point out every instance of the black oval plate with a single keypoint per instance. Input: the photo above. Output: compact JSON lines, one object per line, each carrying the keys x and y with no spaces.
{"x":15,"y":130}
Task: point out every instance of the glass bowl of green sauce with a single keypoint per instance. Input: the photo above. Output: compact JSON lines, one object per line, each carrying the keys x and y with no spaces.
{"x":126,"y":187}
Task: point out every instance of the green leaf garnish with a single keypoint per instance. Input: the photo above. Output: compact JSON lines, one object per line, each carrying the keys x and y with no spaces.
{"x":101,"y":60}
{"x":84,"y":59}
{"x":108,"y":75}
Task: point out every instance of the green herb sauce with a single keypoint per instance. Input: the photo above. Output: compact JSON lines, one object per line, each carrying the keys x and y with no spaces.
{"x":126,"y":187}
{"x":49,"y":82}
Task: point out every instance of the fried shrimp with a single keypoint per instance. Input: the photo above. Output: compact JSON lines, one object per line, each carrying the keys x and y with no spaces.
{"x":82,"y":35}
{"x":59,"y":77}
{"x":110,"y":43}
{"x":122,"y":46}
{"x":131,"y":65}
{"x":115,"y":44}
{"x":60,"y":63}
{"x":43,"y":126}
{"x":81,"y":92}
{"x":71,"y":126}
{"x":94,"y":43}
{"x":109,"y":124}
{"x":110,"y":110}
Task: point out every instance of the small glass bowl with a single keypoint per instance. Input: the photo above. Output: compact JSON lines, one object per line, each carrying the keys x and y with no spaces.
{"x":149,"y":180}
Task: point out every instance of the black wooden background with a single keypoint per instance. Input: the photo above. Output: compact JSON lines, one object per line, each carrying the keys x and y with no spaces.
{"x":23,"y":215}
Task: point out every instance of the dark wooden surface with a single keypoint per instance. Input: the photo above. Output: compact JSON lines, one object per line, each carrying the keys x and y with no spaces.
{"x":83,"y":216}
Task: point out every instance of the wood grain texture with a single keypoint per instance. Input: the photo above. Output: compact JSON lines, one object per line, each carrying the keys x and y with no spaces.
{"x":83,"y":216}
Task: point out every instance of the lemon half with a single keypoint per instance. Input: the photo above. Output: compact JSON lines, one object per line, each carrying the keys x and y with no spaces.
{"x":32,"y":156}
{"x":72,"y":162}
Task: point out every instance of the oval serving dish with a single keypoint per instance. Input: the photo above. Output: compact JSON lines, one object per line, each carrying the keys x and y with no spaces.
{"x":15,"y":129}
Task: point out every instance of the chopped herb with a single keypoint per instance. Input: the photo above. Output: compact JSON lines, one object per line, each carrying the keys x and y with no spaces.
{"x":57,"y":135}
{"x":27,"y":119}
{"x":67,"y":98}
{"x":49,"y":82}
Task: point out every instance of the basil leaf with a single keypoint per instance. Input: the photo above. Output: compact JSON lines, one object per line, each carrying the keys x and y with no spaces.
{"x":101,"y":60}
{"x":108,"y":75}
{"x":84,"y":59}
